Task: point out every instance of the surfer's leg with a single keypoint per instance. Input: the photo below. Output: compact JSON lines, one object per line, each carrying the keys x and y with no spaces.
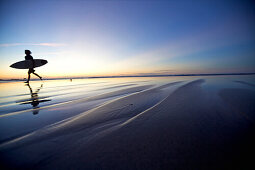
{"x":29,"y":72}
{"x":28,"y":78}
{"x":37,"y":75}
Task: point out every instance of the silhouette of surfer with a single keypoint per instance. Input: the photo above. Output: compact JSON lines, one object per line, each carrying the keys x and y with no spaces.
{"x":30,"y":70}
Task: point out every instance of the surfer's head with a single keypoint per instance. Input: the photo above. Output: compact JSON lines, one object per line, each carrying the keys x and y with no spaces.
{"x":28,"y":52}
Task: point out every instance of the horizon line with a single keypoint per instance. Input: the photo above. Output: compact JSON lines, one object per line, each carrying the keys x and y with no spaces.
{"x":152,"y":75}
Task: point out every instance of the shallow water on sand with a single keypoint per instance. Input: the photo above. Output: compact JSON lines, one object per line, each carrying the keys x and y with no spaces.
{"x":205,"y":111}
{"x":27,"y":107}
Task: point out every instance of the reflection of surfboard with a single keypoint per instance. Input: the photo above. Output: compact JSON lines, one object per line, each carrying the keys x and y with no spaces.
{"x":26,"y":64}
{"x":31,"y":99}
{"x":35,"y":101}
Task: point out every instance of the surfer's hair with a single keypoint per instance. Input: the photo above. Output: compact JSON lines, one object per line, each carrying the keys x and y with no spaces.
{"x":28,"y":52}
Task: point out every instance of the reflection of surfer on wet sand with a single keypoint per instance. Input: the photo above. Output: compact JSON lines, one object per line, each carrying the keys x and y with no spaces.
{"x":35,"y":100}
{"x":34,"y":96}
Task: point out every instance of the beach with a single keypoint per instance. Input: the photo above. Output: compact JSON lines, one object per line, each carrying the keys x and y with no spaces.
{"x":182,"y":122}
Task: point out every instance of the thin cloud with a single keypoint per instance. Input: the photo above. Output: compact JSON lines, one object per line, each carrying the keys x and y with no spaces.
{"x":33,"y":44}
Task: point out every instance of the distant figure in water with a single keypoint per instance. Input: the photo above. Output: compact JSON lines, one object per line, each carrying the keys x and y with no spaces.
{"x":31,"y":70}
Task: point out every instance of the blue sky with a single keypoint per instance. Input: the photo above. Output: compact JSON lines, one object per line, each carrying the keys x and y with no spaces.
{"x":88,"y":38}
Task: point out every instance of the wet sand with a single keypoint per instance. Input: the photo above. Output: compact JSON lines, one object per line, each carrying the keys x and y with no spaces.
{"x":157,"y":123}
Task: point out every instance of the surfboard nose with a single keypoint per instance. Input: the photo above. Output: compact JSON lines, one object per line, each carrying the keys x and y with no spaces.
{"x":44,"y":62}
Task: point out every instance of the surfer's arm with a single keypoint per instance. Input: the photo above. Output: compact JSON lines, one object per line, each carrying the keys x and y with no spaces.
{"x":33,"y":61}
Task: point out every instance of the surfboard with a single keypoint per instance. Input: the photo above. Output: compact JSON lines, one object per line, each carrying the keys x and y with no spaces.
{"x":26,"y":64}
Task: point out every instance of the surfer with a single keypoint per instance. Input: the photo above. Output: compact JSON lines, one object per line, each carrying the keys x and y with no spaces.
{"x":30,"y":70}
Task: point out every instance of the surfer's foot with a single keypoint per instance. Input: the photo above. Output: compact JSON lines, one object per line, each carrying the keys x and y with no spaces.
{"x":26,"y":82}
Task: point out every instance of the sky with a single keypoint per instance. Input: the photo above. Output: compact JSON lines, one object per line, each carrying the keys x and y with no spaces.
{"x":112,"y":38}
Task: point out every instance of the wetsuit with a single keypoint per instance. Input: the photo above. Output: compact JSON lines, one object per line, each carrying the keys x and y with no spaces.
{"x":29,"y":57}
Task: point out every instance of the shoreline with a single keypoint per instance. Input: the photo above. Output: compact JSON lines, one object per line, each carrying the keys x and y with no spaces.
{"x":134,"y":76}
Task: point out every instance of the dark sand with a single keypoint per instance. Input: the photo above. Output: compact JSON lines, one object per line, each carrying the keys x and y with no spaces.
{"x":178,"y":125}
